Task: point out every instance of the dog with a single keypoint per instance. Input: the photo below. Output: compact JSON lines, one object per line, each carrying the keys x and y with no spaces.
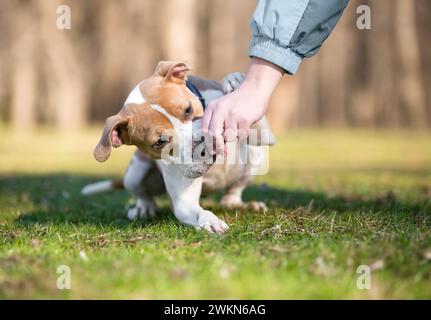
{"x":161,"y":115}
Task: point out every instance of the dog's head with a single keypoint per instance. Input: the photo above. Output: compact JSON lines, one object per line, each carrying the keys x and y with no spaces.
{"x":160,"y":118}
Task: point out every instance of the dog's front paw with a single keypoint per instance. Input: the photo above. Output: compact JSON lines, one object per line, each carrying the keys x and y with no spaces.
{"x":232,"y":82}
{"x":143,"y":209}
{"x":209,"y":222}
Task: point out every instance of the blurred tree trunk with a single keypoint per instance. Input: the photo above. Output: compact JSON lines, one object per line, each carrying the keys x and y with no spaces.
{"x":282,"y":112}
{"x":179,"y":32}
{"x":423,"y":14}
{"x":372,"y":78}
{"x":411,"y":90}
{"x":67,"y":95}
{"x":243,"y":11}
{"x":113,"y":63}
{"x":5,"y":58}
{"x":144,"y":35}
{"x":222,"y":37}
{"x":324,"y":81}
{"x":309,"y":93}
{"x":382,"y":69}
{"x":359,"y":108}
{"x":203,"y":41}
{"x":23,"y":73}
{"x":333,"y":78}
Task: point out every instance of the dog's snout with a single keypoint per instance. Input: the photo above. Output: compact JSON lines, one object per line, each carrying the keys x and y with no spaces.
{"x":202,"y":153}
{"x":196,"y":143}
{"x":205,"y":154}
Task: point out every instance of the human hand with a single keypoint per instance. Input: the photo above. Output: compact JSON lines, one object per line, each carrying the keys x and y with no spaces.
{"x":231,"y":116}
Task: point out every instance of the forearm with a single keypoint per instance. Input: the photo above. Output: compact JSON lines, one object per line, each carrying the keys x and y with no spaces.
{"x":262,"y":78}
{"x":285,"y":32}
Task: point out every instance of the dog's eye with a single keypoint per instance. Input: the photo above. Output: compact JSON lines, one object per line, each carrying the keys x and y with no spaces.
{"x":188,"y":111}
{"x":160,"y":143}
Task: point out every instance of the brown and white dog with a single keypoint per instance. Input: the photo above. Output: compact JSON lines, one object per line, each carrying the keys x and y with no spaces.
{"x":161,"y":117}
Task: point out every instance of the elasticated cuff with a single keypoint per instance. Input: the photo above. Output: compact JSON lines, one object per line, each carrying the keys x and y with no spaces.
{"x":270,"y":50}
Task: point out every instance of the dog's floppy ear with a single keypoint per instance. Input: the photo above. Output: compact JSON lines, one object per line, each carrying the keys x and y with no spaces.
{"x":115,"y":129}
{"x":173,"y":71}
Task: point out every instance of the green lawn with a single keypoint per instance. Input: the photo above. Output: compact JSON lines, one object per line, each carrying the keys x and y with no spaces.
{"x":337,"y":199}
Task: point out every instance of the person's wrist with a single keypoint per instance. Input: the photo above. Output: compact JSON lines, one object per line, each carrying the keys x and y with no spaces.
{"x":260,"y":91}
{"x":262,"y":77}
{"x":256,"y":108}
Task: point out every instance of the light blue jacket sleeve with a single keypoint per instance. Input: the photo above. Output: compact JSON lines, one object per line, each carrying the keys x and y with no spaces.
{"x":287,"y":31}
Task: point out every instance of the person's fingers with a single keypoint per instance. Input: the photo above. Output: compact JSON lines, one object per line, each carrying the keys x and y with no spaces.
{"x":217,"y":121}
{"x":220,"y":146}
{"x":206,"y":119}
{"x":230,"y":129}
{"x":243,"y":129}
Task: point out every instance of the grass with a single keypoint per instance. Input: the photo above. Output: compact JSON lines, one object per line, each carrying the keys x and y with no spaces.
{"x":338,"y":199}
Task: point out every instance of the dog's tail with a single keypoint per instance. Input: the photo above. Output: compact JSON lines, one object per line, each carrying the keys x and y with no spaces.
{"x":102,"y":186}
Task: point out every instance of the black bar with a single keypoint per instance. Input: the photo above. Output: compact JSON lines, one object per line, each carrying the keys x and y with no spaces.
{"x":216,"y":309}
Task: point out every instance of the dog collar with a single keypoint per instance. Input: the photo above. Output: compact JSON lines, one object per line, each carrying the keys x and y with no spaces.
{"x":196,"y":92}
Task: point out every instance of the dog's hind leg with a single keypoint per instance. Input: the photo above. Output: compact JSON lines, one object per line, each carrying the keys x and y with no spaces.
{"x":138,"y":169}
{"x":233,"y":197}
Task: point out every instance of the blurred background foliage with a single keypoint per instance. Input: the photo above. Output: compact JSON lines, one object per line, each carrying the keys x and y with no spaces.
{"x":69,"y":79}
